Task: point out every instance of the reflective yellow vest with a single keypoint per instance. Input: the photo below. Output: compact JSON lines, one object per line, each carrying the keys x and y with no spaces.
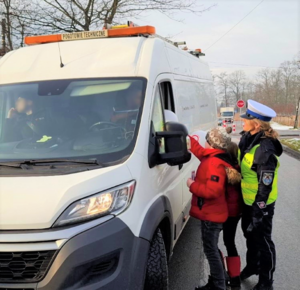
{"x":249,"y":179}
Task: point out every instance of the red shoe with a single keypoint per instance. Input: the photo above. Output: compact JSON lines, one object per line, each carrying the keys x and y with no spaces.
{"x":234,"y":270}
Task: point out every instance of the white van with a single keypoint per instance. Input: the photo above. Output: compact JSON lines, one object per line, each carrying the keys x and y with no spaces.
{"x":93,"y":167}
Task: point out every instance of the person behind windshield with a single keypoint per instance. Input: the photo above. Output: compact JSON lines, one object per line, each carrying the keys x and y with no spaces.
{"x":25,"y":121}
{"x":126,"y":115}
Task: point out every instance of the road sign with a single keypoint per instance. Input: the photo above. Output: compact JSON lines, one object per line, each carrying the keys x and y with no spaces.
{"x":240,"y":104}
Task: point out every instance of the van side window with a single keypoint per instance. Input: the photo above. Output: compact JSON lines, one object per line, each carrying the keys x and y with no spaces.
{"x":158,"y":118}
{"x":167,"y":96}
{"x":157,"y":115}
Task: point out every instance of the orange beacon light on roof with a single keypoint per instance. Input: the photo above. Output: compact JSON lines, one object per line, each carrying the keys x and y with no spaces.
{"x":83,"y":35}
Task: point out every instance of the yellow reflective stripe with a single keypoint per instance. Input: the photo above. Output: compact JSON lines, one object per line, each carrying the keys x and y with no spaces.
{"x":248,"y":196}
{"x":250,"y":185}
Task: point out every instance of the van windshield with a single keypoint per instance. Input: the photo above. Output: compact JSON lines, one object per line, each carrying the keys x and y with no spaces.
{"x":90,"y":118}
{"x":227,"y":114}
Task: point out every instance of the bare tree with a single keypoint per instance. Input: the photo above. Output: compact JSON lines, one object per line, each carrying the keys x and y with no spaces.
{"x":223,"y":83}
{"x":16,"y":24}
{"x":264,"y":78}
{"x":288,"y":70}
{"x":276,"y":81}
{"x":237,"y":83}
{"x":84,"y":15}
{"x":269,"y":86}
{"x":296,"y":88}
{"x":24,"y":17}
{"x":278,"y":88}
{"x":250,"y":91}
{"x":5,"y":9}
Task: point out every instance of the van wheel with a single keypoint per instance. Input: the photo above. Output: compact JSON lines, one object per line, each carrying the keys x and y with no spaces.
{"x":157,"y":265}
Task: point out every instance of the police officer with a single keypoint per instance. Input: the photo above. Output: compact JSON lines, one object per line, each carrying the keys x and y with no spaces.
{"x":259,"y":150}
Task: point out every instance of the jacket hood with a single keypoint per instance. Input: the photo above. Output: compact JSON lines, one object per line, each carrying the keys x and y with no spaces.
{"x":278,"y":147}
{"x":231,"y":168}
{"x":272,"y":145}
{"x":233,"y":176}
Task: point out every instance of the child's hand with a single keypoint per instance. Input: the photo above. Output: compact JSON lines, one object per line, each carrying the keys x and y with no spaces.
{"x":189,"y":182}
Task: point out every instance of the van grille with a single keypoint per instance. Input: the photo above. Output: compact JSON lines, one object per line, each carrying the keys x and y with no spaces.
{"x":24,"y":266}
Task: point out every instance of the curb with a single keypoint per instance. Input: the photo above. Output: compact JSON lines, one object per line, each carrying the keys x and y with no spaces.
{"x":291,"y":152}
{"x":289,"y":135}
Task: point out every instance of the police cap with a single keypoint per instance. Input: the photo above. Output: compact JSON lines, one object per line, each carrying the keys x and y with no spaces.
{"x":259,"y":111}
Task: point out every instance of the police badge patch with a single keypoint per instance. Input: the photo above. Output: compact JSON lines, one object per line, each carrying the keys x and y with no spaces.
{"x":261,"y":204}
{"x":267,"y":178}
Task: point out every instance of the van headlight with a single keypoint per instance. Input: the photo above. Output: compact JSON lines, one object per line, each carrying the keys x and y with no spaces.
{"x":113,"y":201}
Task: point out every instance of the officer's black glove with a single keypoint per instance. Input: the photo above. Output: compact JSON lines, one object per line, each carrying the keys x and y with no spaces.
{"x":257,"y":218}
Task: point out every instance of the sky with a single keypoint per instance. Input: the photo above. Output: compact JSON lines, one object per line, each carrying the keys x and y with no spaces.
{"x":267,"y":37}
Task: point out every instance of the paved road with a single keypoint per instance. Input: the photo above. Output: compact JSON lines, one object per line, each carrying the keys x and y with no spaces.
{"x":186,"y":265}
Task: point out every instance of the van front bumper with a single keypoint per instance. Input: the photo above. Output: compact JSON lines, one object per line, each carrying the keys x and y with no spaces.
{"x":107,"y":256}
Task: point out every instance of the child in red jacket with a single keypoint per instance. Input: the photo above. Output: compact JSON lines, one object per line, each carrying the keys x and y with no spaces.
{"x":209,"y":200}
{"x":234,"y":203}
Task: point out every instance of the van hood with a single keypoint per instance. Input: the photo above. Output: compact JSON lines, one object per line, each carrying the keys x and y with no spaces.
{"x":36,"y":202}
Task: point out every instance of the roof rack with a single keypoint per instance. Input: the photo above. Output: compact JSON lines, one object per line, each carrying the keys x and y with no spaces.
{"x":168,"y":40}
{"x":197,"y":52}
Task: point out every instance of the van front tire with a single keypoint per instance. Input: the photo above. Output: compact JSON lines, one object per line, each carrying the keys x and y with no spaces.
{"x":157,"y":265}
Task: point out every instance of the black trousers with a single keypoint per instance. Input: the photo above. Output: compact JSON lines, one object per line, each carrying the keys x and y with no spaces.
{"x":210,"y":237}
{"x":229,"y":231}
{"x":261,"y":253}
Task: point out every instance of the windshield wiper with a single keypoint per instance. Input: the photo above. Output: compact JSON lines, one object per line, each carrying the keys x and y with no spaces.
{"x":11,"y":164}
{"x":15,"y":164}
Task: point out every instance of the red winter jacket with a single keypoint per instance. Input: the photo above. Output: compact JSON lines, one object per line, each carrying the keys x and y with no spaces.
{"x":210,"y":185}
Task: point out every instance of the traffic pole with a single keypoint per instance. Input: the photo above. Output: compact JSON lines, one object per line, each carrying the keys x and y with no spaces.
{"x":240,"y":117}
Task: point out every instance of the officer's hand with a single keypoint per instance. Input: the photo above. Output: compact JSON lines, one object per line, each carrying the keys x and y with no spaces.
{"x":257,"y":222}
{"x":12,"y":113}
{"x":257,"y":217}
{"x":257,"y":212}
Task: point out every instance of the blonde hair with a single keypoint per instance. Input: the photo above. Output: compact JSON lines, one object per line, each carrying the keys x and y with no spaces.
{"x":266,"y":128}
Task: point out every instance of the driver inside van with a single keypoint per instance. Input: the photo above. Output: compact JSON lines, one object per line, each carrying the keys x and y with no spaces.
{"x":25,"y":121}
{"x":126,"y":116}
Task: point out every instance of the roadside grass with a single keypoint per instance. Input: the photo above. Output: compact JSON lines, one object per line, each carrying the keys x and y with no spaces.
{"x":292,"y":143}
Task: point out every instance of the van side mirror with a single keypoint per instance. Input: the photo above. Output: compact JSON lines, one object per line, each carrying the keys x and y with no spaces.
{"x":169,"y":146}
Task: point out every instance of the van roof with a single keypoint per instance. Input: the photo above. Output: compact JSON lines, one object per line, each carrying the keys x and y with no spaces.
{"x":97,"y":58}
